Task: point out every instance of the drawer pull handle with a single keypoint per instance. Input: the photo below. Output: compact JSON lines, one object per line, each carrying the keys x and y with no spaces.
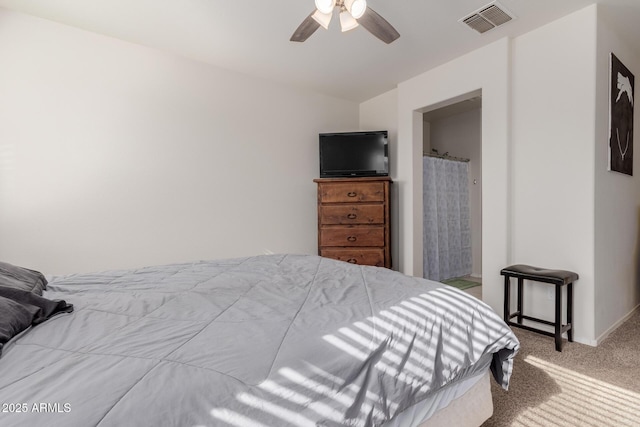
{"x":352,"y":238}
{"x":352,"y":194}
{"x":352,"y":261}
{"x":352,"y":216}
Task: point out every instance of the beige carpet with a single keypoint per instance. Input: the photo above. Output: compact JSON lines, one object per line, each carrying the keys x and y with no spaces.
{"x":581,"y":386}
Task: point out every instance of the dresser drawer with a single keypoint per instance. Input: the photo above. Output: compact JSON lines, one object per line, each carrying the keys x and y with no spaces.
{"x":350,"y":192}
{"x":354,"y":219}
{"x":360,"y":256}
{"x":352,"y":214}
{"x":352,"y":236}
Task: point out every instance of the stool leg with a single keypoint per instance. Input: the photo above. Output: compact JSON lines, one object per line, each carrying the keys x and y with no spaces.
{"x":507,"y":300}
{"x":520,"y":280}
{"x":558,"y":322}
{"x":570,"y":311}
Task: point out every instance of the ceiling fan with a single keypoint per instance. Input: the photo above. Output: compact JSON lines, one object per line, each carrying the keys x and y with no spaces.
{"x":352,"y":14}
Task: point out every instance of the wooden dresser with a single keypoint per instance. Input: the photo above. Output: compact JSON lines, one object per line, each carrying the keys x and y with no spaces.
{"x":353,"y":220}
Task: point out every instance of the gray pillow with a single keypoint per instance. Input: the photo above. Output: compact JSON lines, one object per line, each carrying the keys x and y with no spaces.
{"x":20,"y":309}
{"x":14,"y":318}
{"x":12,"y":276}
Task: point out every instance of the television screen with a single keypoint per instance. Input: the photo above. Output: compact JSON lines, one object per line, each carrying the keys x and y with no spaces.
{"x":354,"y":154}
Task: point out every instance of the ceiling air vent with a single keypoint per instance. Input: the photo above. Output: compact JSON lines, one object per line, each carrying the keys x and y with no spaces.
{"x":487,"y":18}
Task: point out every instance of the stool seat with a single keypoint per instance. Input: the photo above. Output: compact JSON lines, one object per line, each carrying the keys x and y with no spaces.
{"x":540,"y":274}
{"x":559,"y":278}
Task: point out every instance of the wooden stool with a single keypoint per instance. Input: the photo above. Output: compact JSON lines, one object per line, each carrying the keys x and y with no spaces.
{"x":555,"y":277}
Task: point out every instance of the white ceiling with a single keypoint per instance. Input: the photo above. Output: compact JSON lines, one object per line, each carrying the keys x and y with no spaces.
{"x":252,"y":36}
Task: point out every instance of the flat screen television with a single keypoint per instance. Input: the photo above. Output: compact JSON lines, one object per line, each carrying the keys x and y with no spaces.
{"x":354,"y":154}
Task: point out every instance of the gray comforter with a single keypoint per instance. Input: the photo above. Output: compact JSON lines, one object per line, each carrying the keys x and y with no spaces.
{"x":278,"y":340}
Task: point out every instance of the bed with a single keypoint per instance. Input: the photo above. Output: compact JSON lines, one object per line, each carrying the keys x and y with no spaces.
{"x":274,"y":340}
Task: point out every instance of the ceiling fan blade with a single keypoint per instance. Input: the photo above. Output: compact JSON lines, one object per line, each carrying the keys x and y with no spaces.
{"x":306,"y":28}
{"x":378,"y":26}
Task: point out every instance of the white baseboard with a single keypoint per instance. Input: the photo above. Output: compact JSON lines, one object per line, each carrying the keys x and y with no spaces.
{"x":477,"y":276}
{"x":591,"y":343}
{"x":615,"y":326}
{"x":602,"y":337}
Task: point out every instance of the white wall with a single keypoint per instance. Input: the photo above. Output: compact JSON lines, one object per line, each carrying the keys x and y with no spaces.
{"x":553,"y":88}
{"x":460,"y":135}
{"x":486,"y":70}
{"x":547,"y":198}
{"x":617,"y":197}
{"x":114,"y":155}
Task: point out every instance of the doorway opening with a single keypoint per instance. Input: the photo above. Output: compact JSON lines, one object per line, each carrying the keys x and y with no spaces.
{"x":452,"y":193}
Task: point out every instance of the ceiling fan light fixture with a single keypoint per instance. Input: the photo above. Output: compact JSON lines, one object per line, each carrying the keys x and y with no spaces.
{"x":356,"y":8}
{"x":325,"y":6}
{"x":347,"y":22}
{"x":353,"y":13}
{"x":324,"y":19}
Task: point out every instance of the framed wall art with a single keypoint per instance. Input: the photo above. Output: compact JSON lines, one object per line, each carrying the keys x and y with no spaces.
{"x":620,"y":117}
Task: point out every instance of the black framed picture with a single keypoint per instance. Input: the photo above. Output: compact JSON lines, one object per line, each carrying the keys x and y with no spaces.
{"x":620,"y":118}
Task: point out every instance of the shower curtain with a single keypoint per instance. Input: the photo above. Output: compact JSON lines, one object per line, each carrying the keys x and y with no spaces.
{"x":446,"y":228}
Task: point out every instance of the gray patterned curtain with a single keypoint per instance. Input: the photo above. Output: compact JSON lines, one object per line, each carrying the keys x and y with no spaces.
{"x":446,"y":228}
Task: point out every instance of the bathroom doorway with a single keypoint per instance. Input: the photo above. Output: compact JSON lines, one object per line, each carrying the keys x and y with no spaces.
{"x":452,"y":135}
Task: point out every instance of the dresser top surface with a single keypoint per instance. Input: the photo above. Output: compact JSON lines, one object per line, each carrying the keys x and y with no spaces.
{"x":354,"y":179}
